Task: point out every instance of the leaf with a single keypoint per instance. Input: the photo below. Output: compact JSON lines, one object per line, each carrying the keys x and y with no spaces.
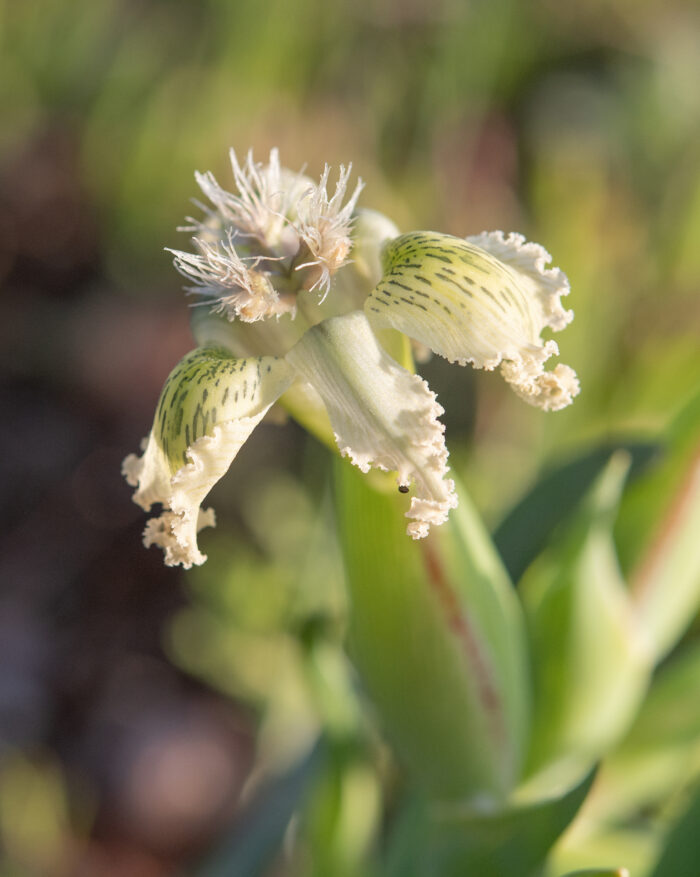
{"x":681,"y":854}
{"x":666,"y":582}
{"x":525,"y":530}
{"x":437,"y":636}
{"x":656,"y":759}
{"x":485,"y":589}
{"x":599,"y":872}
{"x":591,"y":661}
{"x":453,"y":841}
{"x":669,"y":717}
{"x":646,"y":500}
{"x":259,"y":829}
{"x":343,"y":817}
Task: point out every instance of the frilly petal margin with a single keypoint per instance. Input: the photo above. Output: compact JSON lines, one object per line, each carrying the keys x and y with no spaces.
{"x":382,"y":415}
{"x":209,"y":405}
{"x":531,"y":259}
{"x":483,"y":304}
{"x":550,"y":390}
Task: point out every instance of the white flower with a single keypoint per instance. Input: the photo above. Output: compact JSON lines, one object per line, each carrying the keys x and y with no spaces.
{"x":483,"y":300}
{"x":280,"y":234}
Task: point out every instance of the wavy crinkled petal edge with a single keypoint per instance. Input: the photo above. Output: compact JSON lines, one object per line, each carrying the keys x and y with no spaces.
{"x":462,"y":309}
{"x":175,"y":530}
{"x":548,"y":390}
{"x":531,"y":259}
{"x":382,"y":415}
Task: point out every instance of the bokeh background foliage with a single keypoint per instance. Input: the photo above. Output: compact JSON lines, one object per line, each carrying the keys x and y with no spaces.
{"x":154,"y":722}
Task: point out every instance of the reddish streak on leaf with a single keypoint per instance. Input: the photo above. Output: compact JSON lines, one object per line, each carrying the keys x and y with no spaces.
{"x":459,"y":624}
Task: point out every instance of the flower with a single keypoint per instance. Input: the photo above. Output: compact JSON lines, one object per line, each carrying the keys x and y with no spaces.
{"x":482,"y":300}
{"x":281,"y":233}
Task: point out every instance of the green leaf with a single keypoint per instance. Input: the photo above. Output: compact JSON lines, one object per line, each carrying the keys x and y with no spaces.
{"x":682,"y":851}
{"x":656,"y":759}
{"x":342,"y":818}
{"x":669,"y":717}
{"x":666,"y":582}
{"x":599,"y":872}
{"x":486,"y":591}
{"x":258,"y":831}
{"x":453,"y":841}
{"x":510,"y":844}
{"x":590,"y":659}
{"x":646,"y":500}
{"x":525,"y":530}
{"x":437,"y":636}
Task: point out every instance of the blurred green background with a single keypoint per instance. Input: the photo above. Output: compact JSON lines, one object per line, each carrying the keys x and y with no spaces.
{"x":136,"y":700}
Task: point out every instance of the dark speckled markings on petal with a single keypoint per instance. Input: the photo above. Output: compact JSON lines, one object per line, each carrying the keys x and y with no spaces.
{"x":207,"y":387}
{"x":210,"y":404}
{"x":461,"y":289}
{"x":482,"y":301}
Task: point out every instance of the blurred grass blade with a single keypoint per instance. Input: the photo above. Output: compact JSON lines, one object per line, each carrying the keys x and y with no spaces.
{"x":599,"y":872}
{"x":666,"y":583}
{"x":592,"y":663}
{"x":659,"y":755}
{"x":646,"y":499}
{"x":259,"y":829}
{"x":525,"y":530}
{"x":681,"y":855}
{"x":343,"y":817}
{"x":669,"y":717}
{"x":438,"y":652}
{"x":514,"y":843}
{"x":407,"y":840}
{"x":453,"y":841}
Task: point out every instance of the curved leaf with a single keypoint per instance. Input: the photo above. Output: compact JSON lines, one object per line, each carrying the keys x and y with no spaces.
{"x":525,"y":530}
{"x":441,"y":652}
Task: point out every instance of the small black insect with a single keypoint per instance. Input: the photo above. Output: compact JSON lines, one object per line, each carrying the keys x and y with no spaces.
{"x":403,"y":488}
